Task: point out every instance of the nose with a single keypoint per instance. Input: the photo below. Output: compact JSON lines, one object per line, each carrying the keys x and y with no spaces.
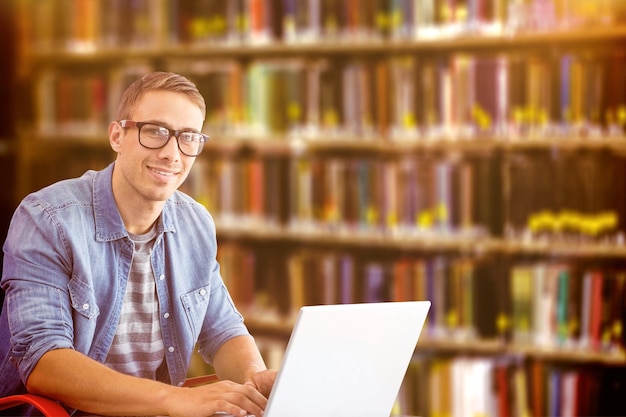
{"x":170,"y":151}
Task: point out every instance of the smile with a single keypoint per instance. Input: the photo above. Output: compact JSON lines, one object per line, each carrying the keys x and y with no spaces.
{"x":164,"y":173}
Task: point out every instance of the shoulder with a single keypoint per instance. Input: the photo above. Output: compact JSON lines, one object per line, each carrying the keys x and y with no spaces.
{"x":64,"y":193}
{"x":184,"y":208}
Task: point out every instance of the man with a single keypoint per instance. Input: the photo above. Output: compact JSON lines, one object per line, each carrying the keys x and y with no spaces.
{"x":111,"y":279}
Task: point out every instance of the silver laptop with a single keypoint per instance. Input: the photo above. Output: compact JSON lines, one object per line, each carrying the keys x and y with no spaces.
{"x":347,"y":360}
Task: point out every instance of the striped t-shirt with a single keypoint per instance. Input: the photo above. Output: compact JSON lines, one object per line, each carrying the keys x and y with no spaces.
{"x":138,"y":345}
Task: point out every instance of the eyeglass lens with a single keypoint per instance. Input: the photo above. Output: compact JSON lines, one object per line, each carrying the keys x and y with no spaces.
{"x":155,"y":136}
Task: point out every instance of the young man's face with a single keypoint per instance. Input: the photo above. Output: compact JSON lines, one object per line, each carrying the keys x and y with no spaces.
{"x":152,"y":175}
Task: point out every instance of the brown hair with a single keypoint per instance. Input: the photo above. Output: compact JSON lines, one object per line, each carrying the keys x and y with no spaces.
{"x":158,"y":80}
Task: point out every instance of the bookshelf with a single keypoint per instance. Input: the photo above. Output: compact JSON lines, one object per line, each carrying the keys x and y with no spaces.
{"x":468,"y":152}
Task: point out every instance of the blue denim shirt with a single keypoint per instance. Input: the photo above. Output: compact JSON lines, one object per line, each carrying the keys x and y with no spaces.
{"x":67,"y":259}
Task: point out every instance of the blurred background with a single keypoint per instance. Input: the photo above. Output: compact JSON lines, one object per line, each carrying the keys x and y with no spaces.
{"x":8,"y":116}
{"x":469,"y":152}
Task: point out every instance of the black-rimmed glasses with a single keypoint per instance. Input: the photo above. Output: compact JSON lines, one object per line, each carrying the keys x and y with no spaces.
{"x":154,"y":136}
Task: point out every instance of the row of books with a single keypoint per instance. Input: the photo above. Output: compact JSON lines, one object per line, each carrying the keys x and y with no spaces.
{"x":492,"y":387}
{"x":564,"y":196}
{"x":558,"y":304}
{"x":541,"y":195}
{"x":403,"y":98}
{"x":409,"y":97}
{"x":414,"y":195}
{"x":356,"y":194}
{"x":88,"y":25}
{"x":401,"y":197}
{"x":248,"y":190}
{"x":543,"y":305}
{"x":498,"y":387}
{"x":81,"y":103}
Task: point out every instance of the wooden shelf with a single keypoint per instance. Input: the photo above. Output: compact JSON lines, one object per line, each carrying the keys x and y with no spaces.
{"x":357,"y":239}
{"x":462,"y":43}
{"x":499,"y":348}
{"x":288,"y":145}
{"x":454,"y":346}
{"x":425,"y":242}
{"x":561,"y":249}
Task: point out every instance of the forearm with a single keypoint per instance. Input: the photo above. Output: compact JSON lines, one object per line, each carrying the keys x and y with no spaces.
{"x":238,"y":359}
{"x":84,"y":384}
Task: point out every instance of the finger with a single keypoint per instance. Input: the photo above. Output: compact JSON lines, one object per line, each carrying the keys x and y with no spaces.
{"x":246,"y":397}
{"x":254,"y":395}
{"x":243,"y":407}
{"x":264,"y":381}
{"x":226,"y":407}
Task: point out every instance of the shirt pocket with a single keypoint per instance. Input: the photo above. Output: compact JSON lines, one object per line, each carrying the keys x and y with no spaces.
{"x":83,"y":299}
{"x":196,"y":303}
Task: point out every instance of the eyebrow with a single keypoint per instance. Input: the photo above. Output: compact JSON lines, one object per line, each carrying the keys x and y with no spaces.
{"x":161,"y":123}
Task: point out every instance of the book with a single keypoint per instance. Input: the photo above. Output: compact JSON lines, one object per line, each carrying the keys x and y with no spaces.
{"x":346,"y":279}
{"x":595,"y":313}
{"x":502,"y":389}
{"x":301,"y":202}
{"x":570,"y":393}
{"x":520,"y":392}
{"x":376,"y":283}
{"x":402,"y":278}
{"x":403,"y":100}
{"x":440,"y":393}
{"x":490,"y":108}
{"x":543,"y":300}
{"x":358,"y":99}
{"x":537,"y":391}
{"x":301,"y":21}
{"x":555,"y":398}
{"x":296,"y":283}
{"x":275,"y":210}
{"x":522,"y":303}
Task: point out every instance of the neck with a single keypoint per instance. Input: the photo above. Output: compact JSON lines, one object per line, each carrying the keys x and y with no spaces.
{"x":138,"y":213}
{"x":140,"y":226}
{"x":139,"y":218}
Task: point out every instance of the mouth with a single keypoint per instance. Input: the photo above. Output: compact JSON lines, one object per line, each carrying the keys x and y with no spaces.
{"x":164,"y":173}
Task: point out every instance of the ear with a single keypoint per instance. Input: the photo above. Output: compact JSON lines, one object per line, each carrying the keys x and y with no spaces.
{"x":116,"y":136}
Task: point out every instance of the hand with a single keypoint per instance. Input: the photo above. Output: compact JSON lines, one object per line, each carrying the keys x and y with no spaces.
{"x":223,"y":396}
{"x":263,"y":381}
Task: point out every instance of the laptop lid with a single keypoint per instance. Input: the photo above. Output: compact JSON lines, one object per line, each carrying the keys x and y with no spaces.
{"x":347,"y":360}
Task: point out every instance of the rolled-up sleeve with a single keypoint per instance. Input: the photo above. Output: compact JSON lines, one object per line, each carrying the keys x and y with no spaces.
{"x":222,"y":321}
{"x":35,"y":283}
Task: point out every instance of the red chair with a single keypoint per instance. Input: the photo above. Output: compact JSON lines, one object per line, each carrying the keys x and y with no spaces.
{"x":46,"y":406}
{"x":51,"y":408}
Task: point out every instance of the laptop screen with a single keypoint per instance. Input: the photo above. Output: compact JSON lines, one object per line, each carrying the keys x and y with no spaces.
{"x":347,"y":360}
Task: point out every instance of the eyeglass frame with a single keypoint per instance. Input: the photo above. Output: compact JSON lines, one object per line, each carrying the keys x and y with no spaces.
{"x":171,"y":132}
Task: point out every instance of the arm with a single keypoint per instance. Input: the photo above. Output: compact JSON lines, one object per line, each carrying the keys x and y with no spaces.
{"x":85,"y":384}
{"x":239,"y":360}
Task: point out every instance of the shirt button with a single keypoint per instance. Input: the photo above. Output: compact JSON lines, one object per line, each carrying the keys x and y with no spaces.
{"x":170,"y":349}
{"x":85,"y":306}
{"x":166,"y":315}
{"x":202,"y":291}
{"x":161,"y":277}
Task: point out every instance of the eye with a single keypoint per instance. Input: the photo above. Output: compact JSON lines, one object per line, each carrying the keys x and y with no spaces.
{"x":155,"y":130}
{"x":191,"y":137}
